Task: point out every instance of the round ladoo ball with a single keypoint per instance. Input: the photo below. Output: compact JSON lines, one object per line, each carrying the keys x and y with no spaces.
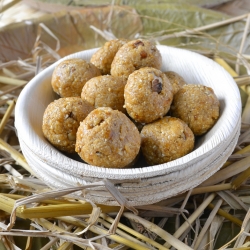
{"x":105,"y":91}
{"x":148,"y":95}
{"x":103,"y":57}
{"x":165,"y":140}
{"x":61,"y":120}
{"x":70,"y":75}
{"x":134,"y":55}
{"x":198,"y":106}
{"x":107,"y":138}
{"x":176,"y":80}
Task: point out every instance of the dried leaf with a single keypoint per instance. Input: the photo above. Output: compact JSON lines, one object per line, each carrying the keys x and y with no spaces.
{"x":232,"y":200}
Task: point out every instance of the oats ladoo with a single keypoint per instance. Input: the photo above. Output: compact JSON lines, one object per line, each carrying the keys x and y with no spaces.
{"x":103,"y":57}
{"x":176,"y":80}
{"x":198,"y":106}
{"x":148,"y":95}
{"x":105,"y":91}
{"x":165,"y":140}
{"x":70,"y":75}
{"x":61,"y":120}
{"x":107,"y":138}
{"x":134,"y":55}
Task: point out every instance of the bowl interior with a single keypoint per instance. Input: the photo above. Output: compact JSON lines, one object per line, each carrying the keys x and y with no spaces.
{"x":194,"y":68}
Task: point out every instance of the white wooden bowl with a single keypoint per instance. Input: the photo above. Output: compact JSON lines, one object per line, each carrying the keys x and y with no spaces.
{"x":140,"y":185}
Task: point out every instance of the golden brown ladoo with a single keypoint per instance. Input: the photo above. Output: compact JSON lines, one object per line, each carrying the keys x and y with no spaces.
{"x":134,"y":55}
{"x":70,"y":75}
{"x":104,"y":56}
{"x":176,"y":80}
{"x":61,"y":120}
{"x":107,"y":138}
{"x":105,"y":91}
{"x":120,"y":92}
{"x":148,"y":95}
{"x":166,"y":140}
{"x":198,"y":106}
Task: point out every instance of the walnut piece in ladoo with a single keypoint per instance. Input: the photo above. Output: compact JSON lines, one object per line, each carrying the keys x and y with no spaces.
{"x":148,"y":95}
{"x":105,"y":91}
{"x":107,"y":138}
{"x":198,"y":106}
{"x":104,"y":56}
{"x":134,"y":55}
{"x":176,"y":80}
{"x":165,"y":140}
{"x":70,"y":75}
{"x":61,"y":120}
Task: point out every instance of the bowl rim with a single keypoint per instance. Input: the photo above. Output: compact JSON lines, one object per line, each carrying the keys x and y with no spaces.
{"x":52,"y":155}
{"x":136,"y":194}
